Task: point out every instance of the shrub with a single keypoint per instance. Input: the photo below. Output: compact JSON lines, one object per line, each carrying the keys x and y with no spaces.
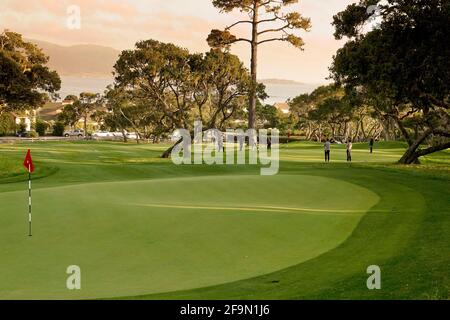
{"x":7,"y":124}
{"x":21,"y":128}
{"x":32,"y":134}
{"x":58,"y":129}
{"x":41,"y":127}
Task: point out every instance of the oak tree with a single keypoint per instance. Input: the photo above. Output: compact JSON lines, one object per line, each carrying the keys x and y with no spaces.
{"x":401,"y":68}
{"x":25,"y":80}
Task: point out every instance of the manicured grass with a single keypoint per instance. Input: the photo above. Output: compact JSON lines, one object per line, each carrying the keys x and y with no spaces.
{"x":141,"y":227}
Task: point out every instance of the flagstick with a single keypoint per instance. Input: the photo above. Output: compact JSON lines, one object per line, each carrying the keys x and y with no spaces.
{"x":29,"y":198}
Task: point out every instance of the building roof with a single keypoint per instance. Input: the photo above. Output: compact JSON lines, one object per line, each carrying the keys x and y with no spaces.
{"x":283,"y":107}
{"x":50,"y":111}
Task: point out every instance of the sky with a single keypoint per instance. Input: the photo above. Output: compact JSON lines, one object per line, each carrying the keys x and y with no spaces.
{"x":187,"y":23}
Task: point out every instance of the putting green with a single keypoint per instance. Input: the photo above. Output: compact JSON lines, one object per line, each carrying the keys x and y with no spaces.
{"x":161,"y":235}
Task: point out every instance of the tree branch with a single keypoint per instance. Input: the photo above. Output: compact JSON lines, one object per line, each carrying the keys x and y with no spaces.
{"x":272,"y":19}
{"x":239,"y":22}
{"x":442,"y":133}
{"x":242,"y":39}
{"x":433,"y":149}
{"x":270,"y":40}
{"x":273,"y":30}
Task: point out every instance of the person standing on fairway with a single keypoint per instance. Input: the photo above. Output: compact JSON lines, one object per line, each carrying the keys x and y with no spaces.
{"x":220,"y":145}
{"x":241,"y":140}
{"x":327,"y":148}
{"x":349,"y":150}
{"x":371,"y":143}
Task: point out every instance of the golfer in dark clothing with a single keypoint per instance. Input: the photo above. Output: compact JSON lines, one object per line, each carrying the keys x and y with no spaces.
{"x":269,"y":143}
{"x":327,"y":147}
{"x":371,"y":145}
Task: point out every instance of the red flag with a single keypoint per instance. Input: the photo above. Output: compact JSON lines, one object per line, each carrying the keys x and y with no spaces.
{"x":28,"y":163}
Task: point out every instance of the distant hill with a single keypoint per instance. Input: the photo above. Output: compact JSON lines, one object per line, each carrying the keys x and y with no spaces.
{"x":280,"y":81}
{"x":50,"y":111}
{"x":93,"y":61}
{"x":80,"y":60}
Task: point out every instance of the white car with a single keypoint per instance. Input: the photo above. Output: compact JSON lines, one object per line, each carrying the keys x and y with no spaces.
{"x":117,"y":134}
{"x":101,"y":134}
{"x":132,"y":135}
{"x":74,"y":133}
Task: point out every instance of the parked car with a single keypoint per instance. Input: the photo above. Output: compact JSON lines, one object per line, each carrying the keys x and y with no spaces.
{"x":102,"y":134}
{"x":132,"y":136}
{"x":74,"y":133}
{"x":117,"y":134}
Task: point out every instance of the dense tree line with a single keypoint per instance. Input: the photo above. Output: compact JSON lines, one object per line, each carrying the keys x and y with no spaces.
{"x":328,"y":112}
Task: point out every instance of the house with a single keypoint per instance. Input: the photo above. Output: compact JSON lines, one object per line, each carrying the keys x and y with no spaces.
{"x":50,"y":111}
{"x":283,"y":107}
{"x":27,"y":118}
{"x":67,"y":102}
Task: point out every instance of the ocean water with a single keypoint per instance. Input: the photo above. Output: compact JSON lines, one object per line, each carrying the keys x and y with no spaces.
{"x":283,"y":92}
{"x":77,"y":85}
{"x":276,"y":92}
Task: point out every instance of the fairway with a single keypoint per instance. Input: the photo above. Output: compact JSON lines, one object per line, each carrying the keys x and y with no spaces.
{"x":139,"y":226}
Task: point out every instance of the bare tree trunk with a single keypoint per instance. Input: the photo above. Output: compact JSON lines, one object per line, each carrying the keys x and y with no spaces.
{"x":363,"y":131}
{"x":356,"y":137}
{"x":319,"y":137}
{"x":253,"y":68}
{"x":125,"y":138}
{"x":85,"y":126}
{"x":309,"y":132}
{"x":386,"y":129}
{"x":347,"y":131}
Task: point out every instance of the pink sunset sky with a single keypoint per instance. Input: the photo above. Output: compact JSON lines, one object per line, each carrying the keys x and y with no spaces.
{"x":120,"y":23}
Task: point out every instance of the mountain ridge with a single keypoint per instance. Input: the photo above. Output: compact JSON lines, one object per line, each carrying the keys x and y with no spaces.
{"x":97,"y":61}
{"x":81,"y":60}
{"x":280,"y":81}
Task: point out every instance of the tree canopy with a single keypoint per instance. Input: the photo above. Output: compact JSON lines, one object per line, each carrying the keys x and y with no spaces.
{"x":172,"y":88}
{"x":401,"y":68}
{"x":81,"y":108}
{"x":25,"y":80}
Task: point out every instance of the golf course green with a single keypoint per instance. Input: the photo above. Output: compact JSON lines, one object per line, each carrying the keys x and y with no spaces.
{"x":141,"y":227}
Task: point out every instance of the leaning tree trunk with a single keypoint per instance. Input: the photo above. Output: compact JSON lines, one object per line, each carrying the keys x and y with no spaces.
{"x":166,"y":154}
{"x":410,"y":156}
